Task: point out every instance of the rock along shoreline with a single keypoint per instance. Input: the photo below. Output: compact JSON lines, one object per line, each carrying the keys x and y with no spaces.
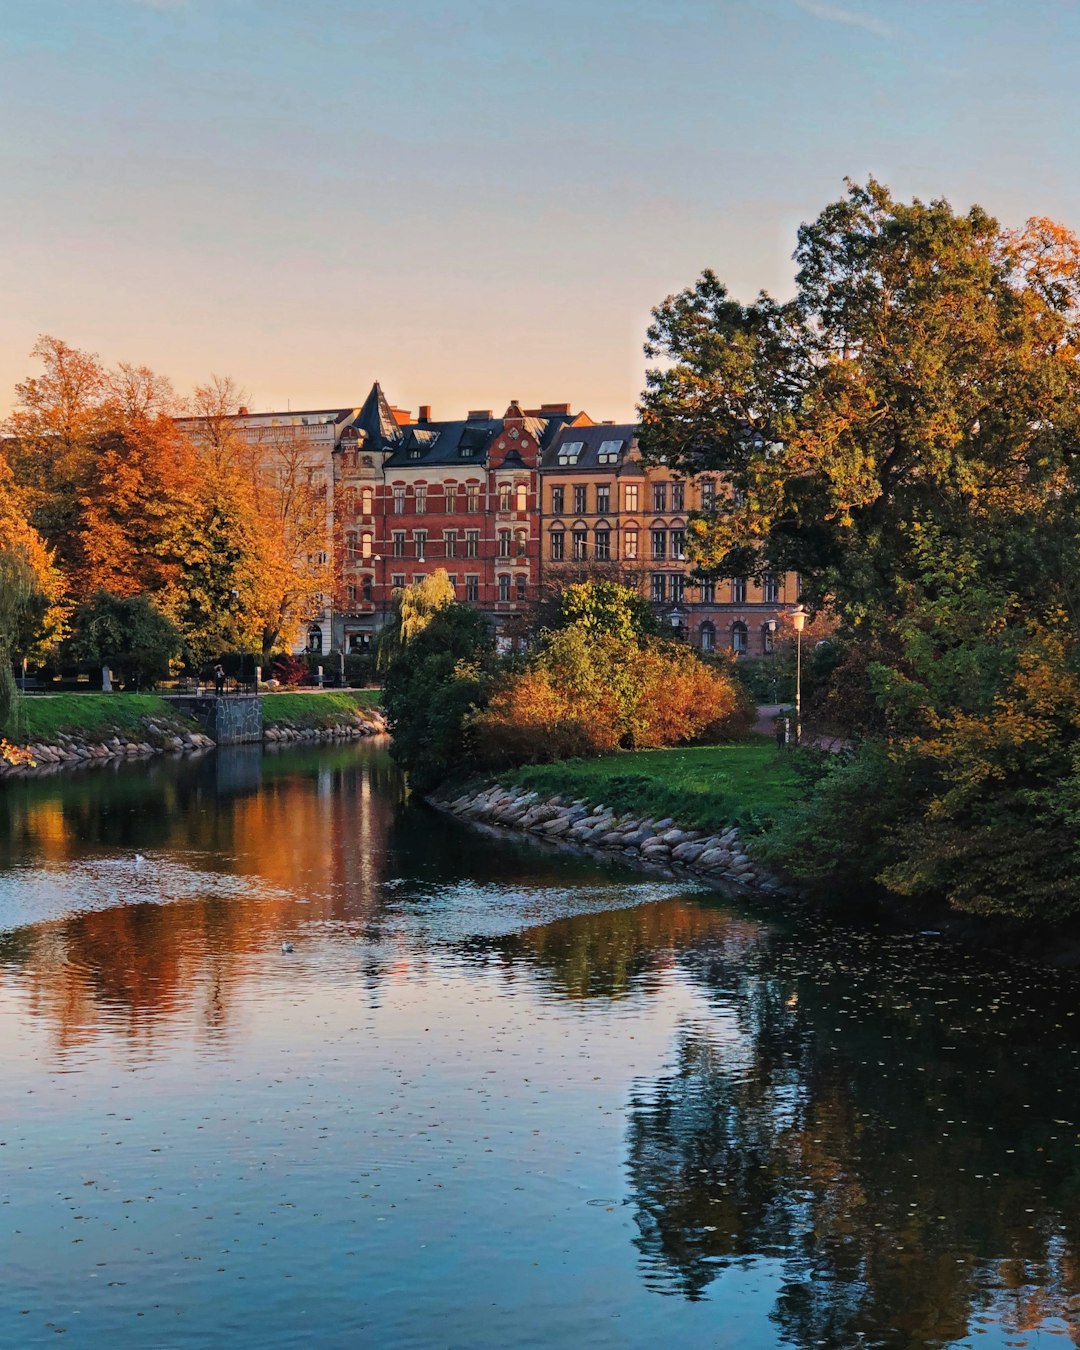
{"x":74,"y":750}
{"x":720,"y":859}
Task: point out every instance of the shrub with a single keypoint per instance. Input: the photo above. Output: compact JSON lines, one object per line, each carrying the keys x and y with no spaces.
{"x":587,"y":695}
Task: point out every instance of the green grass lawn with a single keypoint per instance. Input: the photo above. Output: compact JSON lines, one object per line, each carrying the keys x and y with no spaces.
{"x":706,"y":787}
{"x":328,"y":709}
{"x":39,"y":717}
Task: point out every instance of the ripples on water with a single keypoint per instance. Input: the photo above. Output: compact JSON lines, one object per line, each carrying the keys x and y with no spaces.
{"x":496,"y":1095}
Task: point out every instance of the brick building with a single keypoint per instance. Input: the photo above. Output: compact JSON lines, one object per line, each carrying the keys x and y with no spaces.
{"x":508,"y":506}
{"x":417,"y":495}
{"x":603,"y":511}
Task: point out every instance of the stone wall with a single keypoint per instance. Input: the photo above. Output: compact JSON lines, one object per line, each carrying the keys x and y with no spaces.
{"x":73,"y":750}
{"x":718,"y":857}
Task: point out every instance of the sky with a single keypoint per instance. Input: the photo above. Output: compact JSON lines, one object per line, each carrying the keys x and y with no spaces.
{"x":474,"y":202}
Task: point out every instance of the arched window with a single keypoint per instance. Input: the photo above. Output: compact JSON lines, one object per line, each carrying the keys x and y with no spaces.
{"x":314,"y":638}
{"x":707,"y":636}
{"x":366,"y":540}
{"x":521,"y":492}
{"x":350,"y":547}
{"x":367,"y":501}
{"x":739,"y":638}
{"x":768,"y":636}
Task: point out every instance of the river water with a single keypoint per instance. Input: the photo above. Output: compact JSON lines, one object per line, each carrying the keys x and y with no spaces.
{"x":496,"y":1095}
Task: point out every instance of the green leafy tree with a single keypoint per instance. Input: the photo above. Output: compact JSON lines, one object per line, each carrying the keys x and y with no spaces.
{"x":600,"y":606}
{"x":904,"y":434}
{"x":127,"y":633}
{"x":433,"y":682}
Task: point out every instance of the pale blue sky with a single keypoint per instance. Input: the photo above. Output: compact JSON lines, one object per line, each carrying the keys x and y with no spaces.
{"x":477,"y":202}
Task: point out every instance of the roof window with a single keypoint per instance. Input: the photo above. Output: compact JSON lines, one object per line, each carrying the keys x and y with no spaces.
{"x":609,"y":452}
{"x":568,"y":453}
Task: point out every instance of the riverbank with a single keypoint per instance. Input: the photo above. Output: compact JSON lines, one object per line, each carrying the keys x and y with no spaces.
{"x":719,"y":857}
{"x":70,"y":731}
{"x":708,"y":787}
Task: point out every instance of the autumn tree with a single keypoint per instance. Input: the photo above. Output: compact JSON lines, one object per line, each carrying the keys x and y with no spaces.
{"x":904,"y":434}
{"x":270,"y":478}
{"x":30,"y":586}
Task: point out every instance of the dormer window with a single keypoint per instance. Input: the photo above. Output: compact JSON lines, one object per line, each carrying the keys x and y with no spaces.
{"x":609,"y":452}
{"x":568,"y":453}
{"x":414,"y":453}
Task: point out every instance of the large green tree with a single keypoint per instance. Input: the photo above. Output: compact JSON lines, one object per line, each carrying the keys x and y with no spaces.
{"x":904,"y":434}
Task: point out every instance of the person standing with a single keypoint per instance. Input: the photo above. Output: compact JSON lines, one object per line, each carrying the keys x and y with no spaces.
{"x":219,"y":679}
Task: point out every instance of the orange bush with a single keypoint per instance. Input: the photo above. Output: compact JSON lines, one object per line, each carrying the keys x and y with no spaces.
{"x":587,"y":695}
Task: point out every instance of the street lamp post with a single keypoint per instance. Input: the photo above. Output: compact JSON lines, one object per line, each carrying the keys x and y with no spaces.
{"x":798,"y":618}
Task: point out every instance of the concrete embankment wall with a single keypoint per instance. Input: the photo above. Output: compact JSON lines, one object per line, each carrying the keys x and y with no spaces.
{"x":720,"y":858}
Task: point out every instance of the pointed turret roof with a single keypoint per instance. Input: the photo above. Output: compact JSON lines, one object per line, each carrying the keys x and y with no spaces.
{"x":377,"y":418}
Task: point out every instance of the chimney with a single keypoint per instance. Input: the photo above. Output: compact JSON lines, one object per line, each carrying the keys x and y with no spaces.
{"x":480,"y":415}
{"x":242,"y":412}
{"x":424,"y":415}
{"x":555,"y":408}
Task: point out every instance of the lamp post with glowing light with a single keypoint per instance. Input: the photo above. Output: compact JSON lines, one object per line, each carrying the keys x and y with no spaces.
{"x":798,"y":619}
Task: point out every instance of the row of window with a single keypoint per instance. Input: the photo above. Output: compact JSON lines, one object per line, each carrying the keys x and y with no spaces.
{"x":740,"y":637}
{"x":515,"y":497}
{"x":510,"y":587}
{"x":665,"y":497}
{"x":672,"y":586}
{"x":511,"y":497}
{"x":509,"y":544}
{"x":468,"y":498}
{"x":664,"y":543}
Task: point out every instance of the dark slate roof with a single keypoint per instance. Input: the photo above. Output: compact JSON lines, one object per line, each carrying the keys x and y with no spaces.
{"x":442,"y":443}
{"x":591,"y":439}
{"x":377,"y":418}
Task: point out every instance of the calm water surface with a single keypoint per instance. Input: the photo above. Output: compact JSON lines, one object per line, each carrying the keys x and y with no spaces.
{"x":497,"y":1096}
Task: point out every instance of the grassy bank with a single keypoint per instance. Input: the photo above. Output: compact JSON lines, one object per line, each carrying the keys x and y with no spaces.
{"x":317,"y":711}
{"x":42,"y":717}
{"x":706,"y":787}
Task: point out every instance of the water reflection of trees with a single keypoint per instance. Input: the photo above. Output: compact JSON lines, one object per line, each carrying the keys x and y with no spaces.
{"x":292,"y":842}
{"x":822,"y":1120}
{"x":614,"y":952}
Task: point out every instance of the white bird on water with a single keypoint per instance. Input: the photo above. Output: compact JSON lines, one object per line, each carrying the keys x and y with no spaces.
{"x":286,"y":947}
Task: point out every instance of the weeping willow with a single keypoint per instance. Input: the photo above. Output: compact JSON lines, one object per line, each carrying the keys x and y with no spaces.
{"x":414,"y":608}
{"x":22,"y":604}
